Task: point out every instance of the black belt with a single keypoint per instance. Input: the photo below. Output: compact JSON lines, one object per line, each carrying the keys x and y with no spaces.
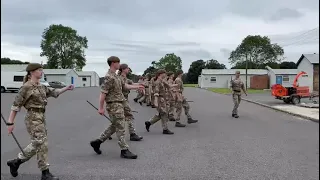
{"x":39,"y":110}
{"x":236,"y":91}
{"x":110,"y":102}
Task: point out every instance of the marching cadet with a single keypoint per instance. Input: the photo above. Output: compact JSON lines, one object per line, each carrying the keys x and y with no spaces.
{"x":180,"y":100}
{"x":33,"y":96}
{"x":111,"y":93}
{"x":140,"y":92}
{"x":123,"y":72}
{"x":236,"y":86}
{"x":151,"y":90}
{"x":160,"y":103}
{"x":171,"y":97}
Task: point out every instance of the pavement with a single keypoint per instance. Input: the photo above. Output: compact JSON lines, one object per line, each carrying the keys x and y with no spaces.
{"x":261,"y":144}
{"x":306,"y":109}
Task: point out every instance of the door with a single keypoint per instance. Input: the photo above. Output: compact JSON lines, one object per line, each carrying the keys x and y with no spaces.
{"x":72,"y":80}
{"x":279,"y":80}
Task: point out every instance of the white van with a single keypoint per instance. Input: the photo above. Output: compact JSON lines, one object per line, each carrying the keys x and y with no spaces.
{"x":12,"y":81}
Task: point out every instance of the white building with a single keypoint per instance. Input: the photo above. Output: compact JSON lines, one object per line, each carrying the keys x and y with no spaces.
{"x":88,"y":78}
{"x":220,"y":78}
{"x":309,"y":63}
{"x":67,"y":76}
{"x":285,"y":77}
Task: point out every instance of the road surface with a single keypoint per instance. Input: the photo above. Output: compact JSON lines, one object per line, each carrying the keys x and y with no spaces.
{"x":262,"y":144}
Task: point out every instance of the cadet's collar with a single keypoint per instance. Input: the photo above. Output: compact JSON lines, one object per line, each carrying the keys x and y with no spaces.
{"x":33,"y":83}
{"x":111,"y":72}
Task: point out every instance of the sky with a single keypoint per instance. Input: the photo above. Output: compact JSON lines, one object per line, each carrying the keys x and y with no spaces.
{"x":142,"y":31}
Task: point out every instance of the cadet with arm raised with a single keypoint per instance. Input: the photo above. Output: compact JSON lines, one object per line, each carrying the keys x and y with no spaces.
{"x":111,"y":93}
{"x":33,"y":96}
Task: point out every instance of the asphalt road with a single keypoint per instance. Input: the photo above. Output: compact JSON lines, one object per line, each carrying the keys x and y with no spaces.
{"x":262,"y":144}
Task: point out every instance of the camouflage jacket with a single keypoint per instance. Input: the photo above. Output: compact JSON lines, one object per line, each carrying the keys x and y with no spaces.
{"x":32,"y":95}
{"x":180,"y":85}
{"x":112,"y":86}
{"x":159,"y":88}
{"x":126,"y":91}
{"x":236,"y":85}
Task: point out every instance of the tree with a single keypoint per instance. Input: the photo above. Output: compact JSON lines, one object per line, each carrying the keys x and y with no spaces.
{"x":195,"y":70}
{"x":6,"y":60}
{"x":252,"y":65}
{"x":257,"y":50}
{"x":63,"y":47}
{"x":214,"y":64}
{"x":288,"y":65}
{"x":170,"y":62}
{"x":150,"y":70}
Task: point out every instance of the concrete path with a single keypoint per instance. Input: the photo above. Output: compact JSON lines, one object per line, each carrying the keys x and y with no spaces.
{"x":261,"y":144}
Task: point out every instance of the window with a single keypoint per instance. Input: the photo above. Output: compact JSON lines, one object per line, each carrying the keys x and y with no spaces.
{"x":84,"y":79}
{"x":213,"y":79}
{"x":18,"y":78}
{"x":285,"y":78}
{"x":305,"y":75}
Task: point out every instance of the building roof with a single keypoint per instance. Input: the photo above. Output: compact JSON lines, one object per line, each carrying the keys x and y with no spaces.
{"x":13,"y":67}
{"x":286,"y":71}
{"x":312,"y":58}
{"x":233,"y":71}
{"x":57,"y":71}
{"x":86,"y":73}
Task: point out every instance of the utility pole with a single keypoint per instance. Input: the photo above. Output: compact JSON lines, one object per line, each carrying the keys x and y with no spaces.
{"x":246,"y":71}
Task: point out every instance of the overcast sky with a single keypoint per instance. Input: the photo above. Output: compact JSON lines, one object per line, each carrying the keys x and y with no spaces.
{"x":142,"y":31}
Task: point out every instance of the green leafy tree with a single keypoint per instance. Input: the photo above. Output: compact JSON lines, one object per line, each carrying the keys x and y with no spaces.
{"x":63,"y":47}
{"x":195,"y":70}
{"x":288,"y":65}
{"x":214,"y":64}
{"x":258,"y":50}
{"x":150,"y":70}
{"x":170,"y":62}
{"x":6,"y":60}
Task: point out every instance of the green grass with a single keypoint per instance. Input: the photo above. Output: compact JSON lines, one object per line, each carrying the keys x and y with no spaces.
{"x":228,"y":91}
{"x":190,"y":85}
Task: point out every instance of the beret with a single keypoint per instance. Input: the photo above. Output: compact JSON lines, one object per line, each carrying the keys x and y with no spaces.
{"x":33,"y":67}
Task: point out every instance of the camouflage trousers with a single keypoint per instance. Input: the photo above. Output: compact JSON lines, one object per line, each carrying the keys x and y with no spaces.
{"x":129,"y":117}
{"x":151,"y":98}
{"x":162,"y":114}
{"x":182,"y":104}
{"x":170,"y":107}
{"x":116,"y":114}
{"x":236,"y":97}
{"x":36,"y":127}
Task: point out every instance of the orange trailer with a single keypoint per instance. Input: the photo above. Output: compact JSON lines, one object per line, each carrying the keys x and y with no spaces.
{"x":291,"y":94}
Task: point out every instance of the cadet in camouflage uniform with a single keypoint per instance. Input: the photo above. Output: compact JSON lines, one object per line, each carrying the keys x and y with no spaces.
{"x":123,"y":71}
{"x":181,"y":101}
{"x":33,"y":96}
{"x":111,"y":93}
{"x":236,"y":86}
{"x":140,"y":93}
{"x":151,"y":90}
{"x":160,"y":103}
{"x":171,"y":97}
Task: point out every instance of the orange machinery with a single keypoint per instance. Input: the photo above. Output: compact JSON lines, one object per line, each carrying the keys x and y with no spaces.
{"x":291,"y":94}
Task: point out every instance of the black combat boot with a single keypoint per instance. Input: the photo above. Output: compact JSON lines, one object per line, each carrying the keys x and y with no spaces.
{"x":148,"y":105}
{"x":236,"y":116}
{"x":46,"y":175}
{"x":178,"y":124}
{"x":140,"y":103}
{"x":128,"y":154}
{"x":135,"y":100}
{"x":153,"y":106}
{"x":135,"y":137}
{"x":190,"y":121}
{"x":233,"y":115}
{"x":96,"y":145}
{"x":148,"y":124}
{"x":14,"y":166}
{"x":167,"y":131}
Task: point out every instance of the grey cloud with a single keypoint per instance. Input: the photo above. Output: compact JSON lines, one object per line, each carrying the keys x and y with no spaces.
{"x":225,"y":52}
{"x":285,"y":13}
{"x":194,"y":53}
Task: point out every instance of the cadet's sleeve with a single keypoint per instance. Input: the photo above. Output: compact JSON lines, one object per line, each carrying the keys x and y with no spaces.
{"x":156,"y":88}
{"x":166,"y":84}
{"x":107,"y":83}
{"x":20,"y":98}
{"x":129,"y":81}
{"x":180,"y":85}
{"x":52,"y":92}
